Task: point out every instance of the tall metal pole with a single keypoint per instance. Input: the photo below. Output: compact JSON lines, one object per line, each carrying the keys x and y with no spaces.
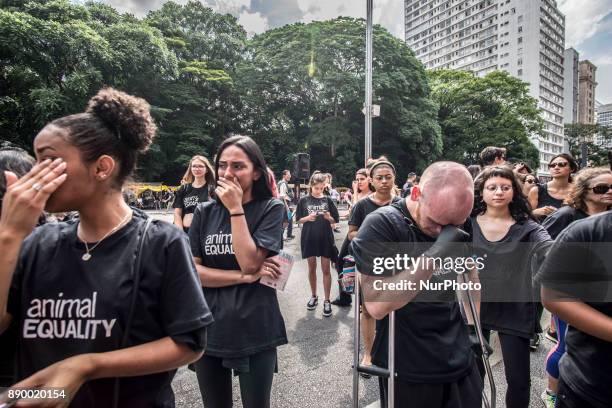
{"x":368,"y":84}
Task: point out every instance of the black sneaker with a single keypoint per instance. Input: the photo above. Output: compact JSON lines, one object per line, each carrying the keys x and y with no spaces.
{"x":312,"y":303}
{"x":534,"y":343}
{"x":342,"y":301}
{"x":327,"y":308}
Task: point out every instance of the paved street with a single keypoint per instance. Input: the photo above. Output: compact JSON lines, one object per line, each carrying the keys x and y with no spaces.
{"x":315,"y":367}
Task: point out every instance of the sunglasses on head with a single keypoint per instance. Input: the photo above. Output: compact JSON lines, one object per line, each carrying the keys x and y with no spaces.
{"x":601,"y":188}
{"x":558,"y":164}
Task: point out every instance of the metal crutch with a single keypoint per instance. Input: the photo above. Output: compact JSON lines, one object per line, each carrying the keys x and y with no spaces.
{"x":485,"y":351}
{"x":372,"y":369}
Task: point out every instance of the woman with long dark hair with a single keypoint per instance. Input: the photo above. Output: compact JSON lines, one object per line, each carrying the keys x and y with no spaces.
{"x":111,"y":294}
{"x":361,"y":186}
{"x":231,"y":237}
{"x":504,"y":229}
{"x":361,"y":189}
{"x":546,"y":198}
{"x":528,"y":181}
{"x":590,"y":194}
{"x":196,"y":185}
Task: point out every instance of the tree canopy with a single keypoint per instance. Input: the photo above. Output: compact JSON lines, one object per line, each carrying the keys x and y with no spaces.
{"x":476,"y":112}
{"x":297,"y":88}
{"x":303,"y":87}
{"x":580,"y":135}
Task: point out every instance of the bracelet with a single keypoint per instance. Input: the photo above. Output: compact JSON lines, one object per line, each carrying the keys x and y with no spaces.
{"x":236,"y":215}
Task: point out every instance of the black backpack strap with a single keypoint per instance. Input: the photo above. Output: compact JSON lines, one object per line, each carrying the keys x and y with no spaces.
{"x":401,"y":206}
{"x":136,"y":286}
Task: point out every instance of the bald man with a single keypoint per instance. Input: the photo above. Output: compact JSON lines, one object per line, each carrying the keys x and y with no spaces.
{"x":435,"y":367}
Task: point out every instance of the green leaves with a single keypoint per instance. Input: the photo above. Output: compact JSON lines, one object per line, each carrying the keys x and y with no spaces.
{"x":475,"y":112}
{"x":305,"y":83}
{"x":595,"y":138}
{"x":295,"y":88}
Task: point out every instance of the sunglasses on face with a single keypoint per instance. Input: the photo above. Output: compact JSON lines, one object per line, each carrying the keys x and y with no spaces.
{"x":558,"y":164}
{"x":530,"y":181}
{"x":601,"y":188}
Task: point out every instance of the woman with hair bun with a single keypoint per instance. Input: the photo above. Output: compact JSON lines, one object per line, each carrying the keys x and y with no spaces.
{"x":111,"y":294}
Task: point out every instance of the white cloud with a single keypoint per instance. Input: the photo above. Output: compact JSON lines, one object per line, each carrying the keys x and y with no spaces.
{"x":583,"y":19}
{"x":388,"y":13}
{"x":234,"y":7}
{"x":253,"y":23}
{"x":602,"y":60}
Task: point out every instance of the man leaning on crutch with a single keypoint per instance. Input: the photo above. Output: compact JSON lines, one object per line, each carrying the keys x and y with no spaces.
{"x":434,"y":363}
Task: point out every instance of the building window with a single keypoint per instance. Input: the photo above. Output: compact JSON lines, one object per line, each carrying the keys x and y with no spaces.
{"x":520,"y":72}
{"x":520,"y":29}
{"x":520,"y":40}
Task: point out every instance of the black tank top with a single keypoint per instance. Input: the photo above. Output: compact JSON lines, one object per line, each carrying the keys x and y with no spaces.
{"x":544,"y":198}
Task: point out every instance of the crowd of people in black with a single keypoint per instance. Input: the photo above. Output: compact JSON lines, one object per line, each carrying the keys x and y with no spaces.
{"x":106,"y":303}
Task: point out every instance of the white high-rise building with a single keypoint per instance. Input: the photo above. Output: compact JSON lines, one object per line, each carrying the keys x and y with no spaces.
{"x":523,"y":37}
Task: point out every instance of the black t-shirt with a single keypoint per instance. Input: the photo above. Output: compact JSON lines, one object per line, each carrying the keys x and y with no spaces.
{"x":317,"y":237}
{"x":364,"y":207}
{"x":188,"y":197}
{"x":580,"y":264}
{"x":432,"y":344}
{"x":544,"y":198}
{"x":66,"y":306}
{"x":560,"y":219}
{"x":247,"y":316}
{"x":507,"y":276}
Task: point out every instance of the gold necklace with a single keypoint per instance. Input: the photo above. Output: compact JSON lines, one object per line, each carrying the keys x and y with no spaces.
{"x":87,"y":255}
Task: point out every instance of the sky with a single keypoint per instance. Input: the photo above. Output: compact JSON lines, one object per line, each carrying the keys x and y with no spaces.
{"x":588,"y":22}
